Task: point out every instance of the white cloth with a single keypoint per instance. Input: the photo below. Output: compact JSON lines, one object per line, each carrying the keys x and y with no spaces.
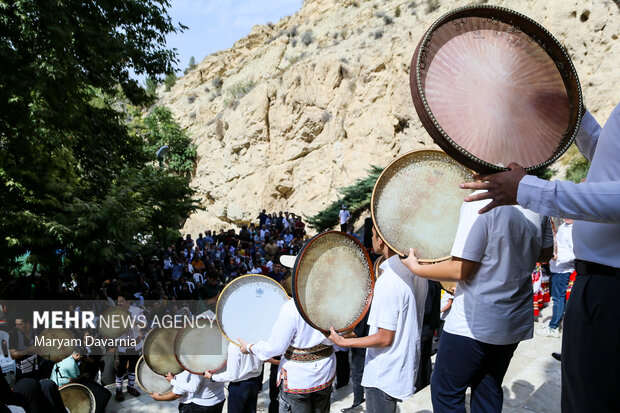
{"x":291,"y":330}
{"x":397,"y":305}
{"x":196,"y":389}
{"x":133,"y":332}
{"x":446,"y":297}
{"x":344,"y":216}
{"x":239,"y":366}
{"x":198,"y":278}
{"x":595,"y":203}
{"x":565,"y":261}
{"x":495,"y":305}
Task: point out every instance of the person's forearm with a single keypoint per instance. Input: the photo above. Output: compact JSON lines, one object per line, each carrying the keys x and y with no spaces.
{"x":373,"y":341}
{"x":168,"y":397}
{"x":441,"y":271}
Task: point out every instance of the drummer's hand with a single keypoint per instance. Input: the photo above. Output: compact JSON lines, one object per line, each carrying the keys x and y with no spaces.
{"x":207,"y":374}
{"x":169,"y":377}
{"x":155,"y":396}
{"x":411,"y":262}
{"x":244,"y":346}
{"x":501,"y":187}
{"x":335,"y":338}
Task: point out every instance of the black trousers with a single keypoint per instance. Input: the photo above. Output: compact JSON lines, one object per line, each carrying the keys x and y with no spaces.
{"x":463,"y":362}
{"x":274,"y":391}
{"x":425,"y":367}
{"x":591,"y":346}
{"x":343,"y":369}
{"x":126,"y":363}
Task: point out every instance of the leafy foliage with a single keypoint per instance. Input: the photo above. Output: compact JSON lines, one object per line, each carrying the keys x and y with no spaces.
{"x":356,"y":197}
{"x":158,"y":129}
{"x":74,"y":180}
{"x":577,"y":169}
{"x":170,"y":80}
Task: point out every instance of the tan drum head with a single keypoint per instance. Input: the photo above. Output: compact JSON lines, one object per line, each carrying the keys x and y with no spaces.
{"x":112,"y":322}
{"x":492,"y":86}
{"x":248,"y":307}
{"x":201,"y":348}
{"x":158,"y":351}
{"x":149,"y":381}
{"x":333,"y":281}
{"x":448,"y":286}
{"x":78,"y":398}
{"x":416,"y":202}
{"x":52,"y":351}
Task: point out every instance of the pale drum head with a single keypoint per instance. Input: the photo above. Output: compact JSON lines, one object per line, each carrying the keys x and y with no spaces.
{"x":416,"y":202}
{"x":448,"y":286}
{"x":113,"y":322}
{"x":248,"y":307}
{"x":492,"y":86}
{"x":201,"y":348}
{"x":149,"y":381}
{"x":333,"y":281}
{"x":52,"y":351}
{"x":158,"y":351}
{"x":78,"y":398}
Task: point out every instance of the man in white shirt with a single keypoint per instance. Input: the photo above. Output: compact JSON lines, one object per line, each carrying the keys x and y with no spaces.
{"x":561,"y":266}
{"x":493,"y":256}
{"x":194,"y":393}
{"x":393,"y":341}
{"x":344,"y":218}
{"x":308,"y":365}
{"x":591,"y":327}
{"x":244,"y":372}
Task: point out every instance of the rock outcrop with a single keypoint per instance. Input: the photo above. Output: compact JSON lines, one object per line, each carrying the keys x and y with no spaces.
{"x":300,"y":108}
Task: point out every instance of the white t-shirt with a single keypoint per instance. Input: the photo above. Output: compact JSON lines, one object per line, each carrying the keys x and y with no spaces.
{"x":194,"y":388}
{"x":344,"y":216}
{"x":495,"y":305}
{"x":397,"y":305}
{"x":239,"y":366}
{"x":564,"y":250}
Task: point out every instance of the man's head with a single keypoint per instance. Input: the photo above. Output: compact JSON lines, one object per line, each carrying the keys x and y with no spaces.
{"x":77,"y":356}
{"x":123,"y":299}
{"x":344,"y":206}
{"x":22,"y":324}
{"x":378,"y":245}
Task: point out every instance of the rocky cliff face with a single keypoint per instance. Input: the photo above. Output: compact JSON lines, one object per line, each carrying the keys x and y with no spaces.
{"x":300,"y":108}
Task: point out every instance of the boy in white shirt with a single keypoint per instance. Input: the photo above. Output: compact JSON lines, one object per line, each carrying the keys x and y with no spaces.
{"x":493,"y":256}
{"x":393,"y":341}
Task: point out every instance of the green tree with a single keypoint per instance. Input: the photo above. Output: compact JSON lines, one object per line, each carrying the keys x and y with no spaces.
{"x":192,"y":65}
{"x":356,"y":197}
{"x":73,"y":177}
{"x":150,"y":85}
{"x":170,"y":80}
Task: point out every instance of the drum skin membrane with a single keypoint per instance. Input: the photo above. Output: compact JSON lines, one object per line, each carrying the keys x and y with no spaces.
{"x":333,"y":282}
{"x":77,"y":398}
{"x":491,"y":86}
{"x":248,"y":308}
{"x":199,"y":349}
{"x":158,"y":351}
{"x":150,"y":381}
{"x":416,"y":203}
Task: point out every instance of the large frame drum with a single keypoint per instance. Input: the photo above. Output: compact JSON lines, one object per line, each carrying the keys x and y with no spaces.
{"x":201,"y":348}
{"x":492,"y":86}
{"x":333,"y":281}
{"x":158,"y":351}
{"x":78,"y":398}
{"x":416,"y":202}
{"x":149,"y":381}
{"x":248,"y":307}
